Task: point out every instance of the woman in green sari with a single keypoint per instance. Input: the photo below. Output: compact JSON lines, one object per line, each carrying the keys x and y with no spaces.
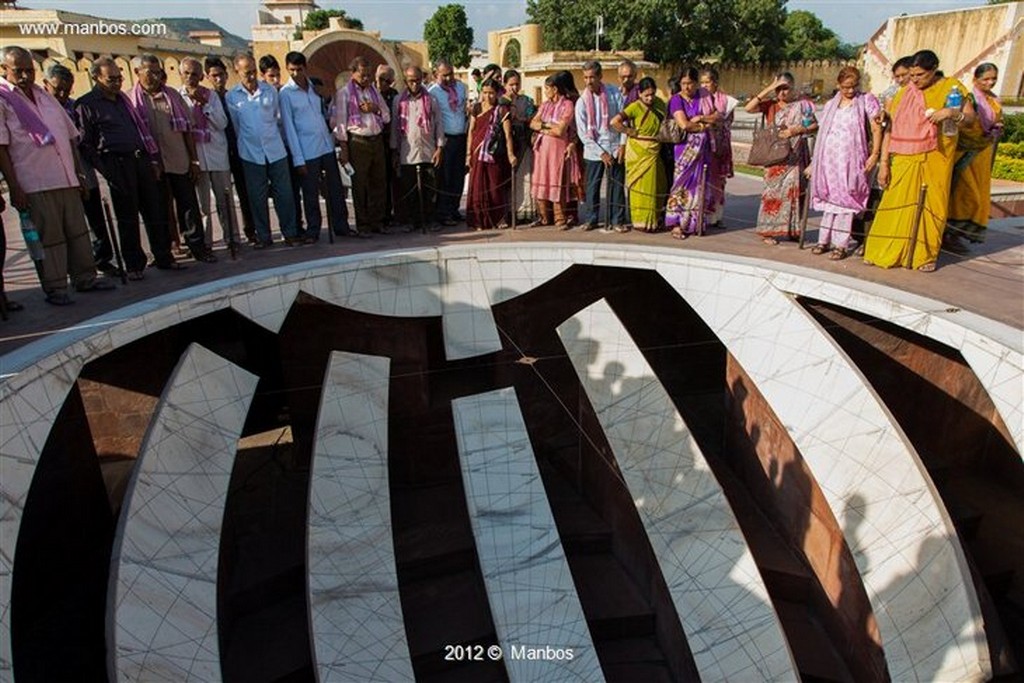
{"x":645,"y":174}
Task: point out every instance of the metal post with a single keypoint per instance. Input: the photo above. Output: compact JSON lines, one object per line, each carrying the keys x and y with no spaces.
{"x":114,"y":242}
{"x":419,"y":196}
{"x":908,"y":261}
{"x":322,"y":187}
{"x":229,"y":206}
{"x":806,"y":194}
{"x":701,"y":199}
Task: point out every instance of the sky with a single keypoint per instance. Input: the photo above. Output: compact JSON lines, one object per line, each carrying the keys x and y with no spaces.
{"x":853,"y":21}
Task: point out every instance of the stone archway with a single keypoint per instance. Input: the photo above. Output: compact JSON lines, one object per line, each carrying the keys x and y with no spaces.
{"x":328,"y":55}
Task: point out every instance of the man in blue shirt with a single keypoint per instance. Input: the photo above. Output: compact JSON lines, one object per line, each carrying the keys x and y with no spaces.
{"x":450,"y":97}
{"x":597,"y":105}
{"x":253,"y":107}
{"x":312,"y":148}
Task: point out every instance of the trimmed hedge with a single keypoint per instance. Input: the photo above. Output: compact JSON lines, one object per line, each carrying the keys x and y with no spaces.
{"x":1007,"y":168}
{"x":1013,"y":128}
{"x":1011,"y":150}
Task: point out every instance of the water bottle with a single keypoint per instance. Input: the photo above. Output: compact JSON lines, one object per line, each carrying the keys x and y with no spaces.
{"x":31,"y":235}
{"x":954,"y":100}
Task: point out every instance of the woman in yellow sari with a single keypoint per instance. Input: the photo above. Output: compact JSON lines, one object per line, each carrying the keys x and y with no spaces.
{"x":645,"y":174}
{"x":972,"y":174}
{"x":921,"y":154}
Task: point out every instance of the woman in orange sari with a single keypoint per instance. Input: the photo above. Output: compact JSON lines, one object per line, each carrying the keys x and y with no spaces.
{"x":915,"y":154}
{"x":972,"y":173}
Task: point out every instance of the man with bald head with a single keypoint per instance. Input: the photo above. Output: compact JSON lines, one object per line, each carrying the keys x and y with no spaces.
{"x":39,"y":159}
{"x":254,"y":108}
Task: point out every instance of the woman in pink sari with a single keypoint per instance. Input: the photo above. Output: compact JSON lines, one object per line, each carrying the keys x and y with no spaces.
{"x":720,"y":169}
{"x":843,"y":161}
{"x":550,"y":184}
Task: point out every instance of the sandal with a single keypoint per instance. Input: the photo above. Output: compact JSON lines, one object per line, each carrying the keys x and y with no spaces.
{"x":677,"y":233}
{"x":819,"y":249}
{"x":59,"y":299}
{"x":927,"y":267}
{"x":770,"y":240}
{"x":838,"y":254}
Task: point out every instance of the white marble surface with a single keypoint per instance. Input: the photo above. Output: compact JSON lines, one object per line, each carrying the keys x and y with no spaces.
{"x":267,"y":306}
{"x":383,"y":284}
{"x":355,"y":610}
{"x":905,"y":546}
{"x":162,"y":601}
{"x":718,"y":592}
{"x":529,"y":585}
{"x":468,"y":324}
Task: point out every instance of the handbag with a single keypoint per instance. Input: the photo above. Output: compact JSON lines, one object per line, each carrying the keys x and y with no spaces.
{"x":497,"y":141}
{"x":768,"y":149}
{"x":670,"y":132}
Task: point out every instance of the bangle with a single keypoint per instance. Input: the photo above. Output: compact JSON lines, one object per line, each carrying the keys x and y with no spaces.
{"x":961,"y":119}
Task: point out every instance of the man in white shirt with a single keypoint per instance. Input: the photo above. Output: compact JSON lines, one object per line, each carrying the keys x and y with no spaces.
{"x":312,"y":149}
{"x":417,"y":142}
{"x":360,"y":117}
{"x":450,"y":96}
{"x":210,"y":123}
{"x":253,"y":107}
{"x":597,"y":105}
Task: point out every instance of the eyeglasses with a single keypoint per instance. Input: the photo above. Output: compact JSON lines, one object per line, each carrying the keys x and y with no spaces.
{"x":414,"y":80}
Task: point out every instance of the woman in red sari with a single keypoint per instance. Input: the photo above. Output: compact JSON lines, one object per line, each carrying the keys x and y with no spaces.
{"x":489,"y":158}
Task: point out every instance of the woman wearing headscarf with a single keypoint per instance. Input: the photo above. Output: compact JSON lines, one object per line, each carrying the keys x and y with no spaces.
{"x":843,"y":160}
{"x":971,"y":196}
{"x":784,"y":184}
{"x":915,"y":154}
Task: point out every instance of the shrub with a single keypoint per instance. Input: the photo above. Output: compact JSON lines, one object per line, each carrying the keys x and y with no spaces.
{"x":1011,"y":150}
{"x":1008,"y":169}
{"x":1013,"y":130}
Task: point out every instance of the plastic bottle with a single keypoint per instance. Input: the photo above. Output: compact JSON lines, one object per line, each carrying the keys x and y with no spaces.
{"x":954,"y":100}
{"x":31,"y":235}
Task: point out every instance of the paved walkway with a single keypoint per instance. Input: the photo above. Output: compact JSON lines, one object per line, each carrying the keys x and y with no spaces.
{"x":989,"y":281}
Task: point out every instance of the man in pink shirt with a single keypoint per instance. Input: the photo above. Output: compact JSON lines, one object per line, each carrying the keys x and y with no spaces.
{"x":39,"y":158}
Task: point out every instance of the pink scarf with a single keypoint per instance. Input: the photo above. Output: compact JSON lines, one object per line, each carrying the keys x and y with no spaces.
{"x":355,"y":117}
{"x":986,"y":117}
{"x":30,"y":121}
{"x":453,"y":96}
{"x":201,"y":130}
{"x":179,"y":114}
{"x":596,"y":121}
{"x":141,"y":125}
{"x":423,"y":120}
{"x":912,"y":132}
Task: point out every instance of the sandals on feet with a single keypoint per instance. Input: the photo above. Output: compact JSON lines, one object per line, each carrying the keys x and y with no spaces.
{"x":770,"y":240}
{"x":819,"y":249}
{"x":927,"y":267}
{"x":677,"y":233}
{"x":838,"y":254}
{"x":59,"y":299}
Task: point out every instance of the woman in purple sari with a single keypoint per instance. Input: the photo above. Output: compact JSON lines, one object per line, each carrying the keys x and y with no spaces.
{"x":688,"y":198}
{"x":843,"y":161}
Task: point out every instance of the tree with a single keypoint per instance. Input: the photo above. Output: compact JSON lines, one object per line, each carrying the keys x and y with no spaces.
{"x":666,"y":31}
{"x":319,"y":19}
{"x":808,"y":38}
{"x":448,"y":35}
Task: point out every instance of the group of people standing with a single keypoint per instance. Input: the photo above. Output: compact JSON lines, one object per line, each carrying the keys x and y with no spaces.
{"x":917,"y":163}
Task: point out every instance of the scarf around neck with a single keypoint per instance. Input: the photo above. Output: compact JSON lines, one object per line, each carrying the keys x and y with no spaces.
{"x":597,"y":116}
{"x":201,"y":130}
{"x":912,"y":132}
{"x":179,"y":115}
{"x":30,"y":121}
{"x":453,"y":95}
{"x":141,"y":125}
{"x":423,"y":120}
{"x":355,"y":96}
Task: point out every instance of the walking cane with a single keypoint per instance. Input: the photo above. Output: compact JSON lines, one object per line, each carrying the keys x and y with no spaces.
{"x":701,"y":198}
{"x":908,"y":261}
{"x":229,"y":204}
{"x":803,"y":214}
{"x":512,"y":198}
{"x":419,"y":196}
{"x":114,"y":241}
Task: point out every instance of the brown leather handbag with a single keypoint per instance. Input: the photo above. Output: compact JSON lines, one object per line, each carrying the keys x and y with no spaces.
{"x":768,"y":148}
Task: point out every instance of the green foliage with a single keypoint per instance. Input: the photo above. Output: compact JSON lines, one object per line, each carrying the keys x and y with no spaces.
{"x":1006,"y":168}
{"x":1011,"y":150}
{"x":448,"y":35}
{"x":666,"y":31}
{"x":808,"y":38}
{"x":1013,"y":128}
{"x":319,"y":19}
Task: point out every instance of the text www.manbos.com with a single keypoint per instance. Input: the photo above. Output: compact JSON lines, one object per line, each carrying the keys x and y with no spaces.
{"x":93,"y":28}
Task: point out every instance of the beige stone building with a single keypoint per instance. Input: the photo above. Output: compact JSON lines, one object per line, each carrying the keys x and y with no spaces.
{"x":962,"y":39}
{"x":75,"y":40}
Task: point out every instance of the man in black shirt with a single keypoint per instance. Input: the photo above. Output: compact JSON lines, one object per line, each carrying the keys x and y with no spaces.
{"x":120,"y":146}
